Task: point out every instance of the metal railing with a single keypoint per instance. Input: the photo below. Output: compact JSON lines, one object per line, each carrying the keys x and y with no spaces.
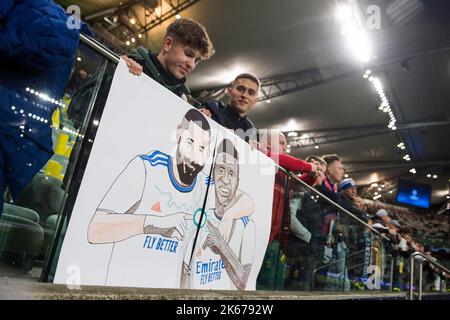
{"x":411,"y":271}
{"x":98,"y":47}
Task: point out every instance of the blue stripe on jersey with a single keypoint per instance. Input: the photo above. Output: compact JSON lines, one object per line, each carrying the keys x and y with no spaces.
{"x":157,"y":158}
{"x":209,"y":180}
{"x":245,"y":220}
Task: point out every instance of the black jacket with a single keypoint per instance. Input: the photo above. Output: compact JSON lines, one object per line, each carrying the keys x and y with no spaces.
{"x":229,"y":118}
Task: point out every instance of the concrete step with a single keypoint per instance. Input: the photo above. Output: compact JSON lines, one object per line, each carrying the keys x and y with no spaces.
{"x":27,"y":290}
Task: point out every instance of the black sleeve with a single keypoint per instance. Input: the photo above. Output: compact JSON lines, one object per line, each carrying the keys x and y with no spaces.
{"x":328,"y":193}
{"x":215,"y":108}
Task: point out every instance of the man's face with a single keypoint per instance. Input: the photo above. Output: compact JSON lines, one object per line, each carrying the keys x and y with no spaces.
{"x":226,"y":178}
{"x":350,"y":192}
{"x":393,"y":228}
{"x":243,"y":95}
{"x":386,"y":219}
{"x":192,"y":151}
{"x":335,"y":171}
{"x":320,"y":171}
{"x":407,"y":237}
{"x":282,"y":143}
{"x":180,"y":59}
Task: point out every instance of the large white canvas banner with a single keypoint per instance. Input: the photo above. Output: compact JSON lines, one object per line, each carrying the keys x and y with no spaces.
{"x":169,"y":199}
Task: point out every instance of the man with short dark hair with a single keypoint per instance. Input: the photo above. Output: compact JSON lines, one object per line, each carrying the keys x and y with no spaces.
{"x":186,"y":43}
{"x":243,"y":95}
{"x":336,"y":247}
{"x":335,"y":171}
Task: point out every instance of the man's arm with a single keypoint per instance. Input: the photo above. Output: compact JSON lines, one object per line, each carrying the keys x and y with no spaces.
{"x":114,"y":220}
{"x":297,"y":228}
{"x":237,"y":271}
{"x":291,"y":163}
{"x":242,"y":207}
{"x":107,"y":227}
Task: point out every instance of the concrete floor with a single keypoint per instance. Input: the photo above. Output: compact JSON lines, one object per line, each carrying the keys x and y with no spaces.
{"x":25,"y":290}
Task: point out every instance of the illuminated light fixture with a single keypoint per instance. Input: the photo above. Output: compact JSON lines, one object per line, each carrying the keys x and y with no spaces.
{"x":346,"y":175}
{"x":79,"y":59}
{"x":127,"y":42}
{"x":316,"y":147}
{"x":376,"y":193}
{"x":374,"y":185}
{"x":394,"y":128}
{"x":269,"y":101}
{"x":27,"y":89}
{"x":343,"y":12}
{"x":354,"y":33}
{"x":133,"y":40}
{"x":132,"y":21}
{"x":178,"y":17}
{"x":379,"y":189}
{"x":139,"y":36}
{"x":435,"y":177}
{"x":448,"y":197}
{"x":391,"y":191}
{"x":288,"y":146}
{"x":95,"y":122}
{"x":428,"y":175}
{"x":292,"y":134}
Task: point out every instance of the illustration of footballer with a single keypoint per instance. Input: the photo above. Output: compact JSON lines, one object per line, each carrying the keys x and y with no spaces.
{"x":222,"y":257}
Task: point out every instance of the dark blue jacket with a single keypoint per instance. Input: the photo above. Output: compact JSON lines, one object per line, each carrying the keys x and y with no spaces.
{"x":37,"y":51}
{"x":230,"y":119}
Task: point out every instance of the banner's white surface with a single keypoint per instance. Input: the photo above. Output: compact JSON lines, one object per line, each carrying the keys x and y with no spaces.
{"x":133,"y":222}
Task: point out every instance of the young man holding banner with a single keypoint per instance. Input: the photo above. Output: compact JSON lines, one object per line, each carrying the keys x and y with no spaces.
{"x":186,"y":43}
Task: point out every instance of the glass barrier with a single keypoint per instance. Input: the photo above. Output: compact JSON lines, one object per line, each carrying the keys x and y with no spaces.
{"x":29,"y":223}
{"x":315,"y":245}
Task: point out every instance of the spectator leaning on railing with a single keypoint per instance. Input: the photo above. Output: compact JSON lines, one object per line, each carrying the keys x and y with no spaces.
{"x":306,"y":243}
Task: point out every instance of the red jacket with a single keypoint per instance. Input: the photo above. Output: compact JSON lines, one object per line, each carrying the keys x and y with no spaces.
{"x":291,"y":164}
